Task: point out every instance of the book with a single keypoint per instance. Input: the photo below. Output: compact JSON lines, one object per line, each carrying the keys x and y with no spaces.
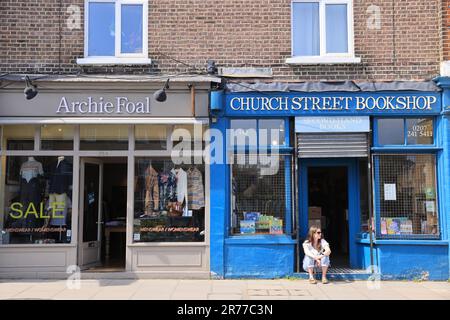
{"x":276,"y":227}
{"x":406,"y":226}
{"x":383,"y":226}
{"x":252,"y":216}
{"x":393,"y":226}
{"x":247,"y":226}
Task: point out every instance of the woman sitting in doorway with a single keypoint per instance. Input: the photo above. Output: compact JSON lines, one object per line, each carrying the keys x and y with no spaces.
{"x":317,"y":252}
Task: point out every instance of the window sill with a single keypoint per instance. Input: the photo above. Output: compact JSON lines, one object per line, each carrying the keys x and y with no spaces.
{"x":113,"y":61}
{"x":323,"y":60}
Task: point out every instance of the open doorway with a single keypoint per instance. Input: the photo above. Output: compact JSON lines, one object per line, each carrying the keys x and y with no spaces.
{"x":103,"y":204}
{"x":328,"y":208}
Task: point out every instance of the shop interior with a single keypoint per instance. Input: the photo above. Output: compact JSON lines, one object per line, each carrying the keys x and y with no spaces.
{"x":328,"y":208}
{"x":114,"y":212}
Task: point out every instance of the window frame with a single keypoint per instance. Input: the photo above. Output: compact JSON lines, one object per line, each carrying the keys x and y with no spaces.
{"x":376,"y":199}
{"x":119,"y":57}
{"x":324,"y":57}
{"x":405,"y":144}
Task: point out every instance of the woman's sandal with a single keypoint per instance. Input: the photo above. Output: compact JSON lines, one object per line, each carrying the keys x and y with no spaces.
{"x":325,"y":281}
{"x":312,"y":281}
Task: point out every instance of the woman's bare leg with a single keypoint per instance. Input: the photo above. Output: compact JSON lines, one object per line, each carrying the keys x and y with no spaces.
{"x":311,"y":273}
{"x":324,"y":272}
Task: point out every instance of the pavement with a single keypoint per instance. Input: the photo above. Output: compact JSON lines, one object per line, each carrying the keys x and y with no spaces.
{"x":285,"y":289}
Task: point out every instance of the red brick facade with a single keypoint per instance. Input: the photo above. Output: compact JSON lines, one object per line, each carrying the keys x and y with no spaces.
{"x":446,"y":30}
{"x":34,"y":38}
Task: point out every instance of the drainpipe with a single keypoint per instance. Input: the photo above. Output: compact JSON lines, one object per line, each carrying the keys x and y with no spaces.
{"x":370,"y":199}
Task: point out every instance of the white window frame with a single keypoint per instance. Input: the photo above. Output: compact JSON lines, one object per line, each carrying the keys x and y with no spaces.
{"x":119,"y":57}
{"x":324,"y":57}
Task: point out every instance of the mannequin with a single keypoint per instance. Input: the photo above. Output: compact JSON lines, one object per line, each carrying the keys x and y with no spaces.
{"x":60,"y":182}
{"x":31,"y":172}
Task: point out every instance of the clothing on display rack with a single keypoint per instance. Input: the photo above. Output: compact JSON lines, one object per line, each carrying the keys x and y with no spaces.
{"x":167,"y":182}
{"x":151,"y":191}
{"x":61,"y":177}
{"x":196,"y":193}
{"x":182,"y":189}
{"x":30,"y":190}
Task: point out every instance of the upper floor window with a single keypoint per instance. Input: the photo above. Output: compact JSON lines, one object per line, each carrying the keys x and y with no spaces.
{"x":116,"y":32}
{"x":322,"y":32}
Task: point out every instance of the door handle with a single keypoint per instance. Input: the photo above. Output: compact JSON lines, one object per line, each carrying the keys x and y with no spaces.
{"x":100,"y":222}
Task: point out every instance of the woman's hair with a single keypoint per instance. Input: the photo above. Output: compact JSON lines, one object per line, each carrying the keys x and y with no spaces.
{"x":310,"y":237}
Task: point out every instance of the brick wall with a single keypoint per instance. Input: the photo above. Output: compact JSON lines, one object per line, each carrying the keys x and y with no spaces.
{"x":446,"y":30}
{"x":34,"y":38}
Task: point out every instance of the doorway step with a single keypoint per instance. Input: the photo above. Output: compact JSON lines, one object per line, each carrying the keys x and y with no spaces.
{"x":337,"y":273}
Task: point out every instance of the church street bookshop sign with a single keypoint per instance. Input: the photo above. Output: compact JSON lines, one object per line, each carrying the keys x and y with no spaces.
{"x":285,"y":104}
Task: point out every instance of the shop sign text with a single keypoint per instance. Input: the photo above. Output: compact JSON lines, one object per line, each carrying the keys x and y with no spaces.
{"x":119,"y":105}
{"x":332,"y":104}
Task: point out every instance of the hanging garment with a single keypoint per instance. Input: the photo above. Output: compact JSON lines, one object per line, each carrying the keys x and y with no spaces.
{"x":182,"y":189}
{"x":31,"y":169}
{"x":61,"y":178}
{"x":61,"y":203}
{"x":151,"y":190}
{"x":167,"y":182}
{"x":30,"y":194}
{"x":196,"y":193}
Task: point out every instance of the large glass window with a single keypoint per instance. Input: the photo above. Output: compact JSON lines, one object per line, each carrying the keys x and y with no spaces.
{"x":150,"y":137}
{"x":36,"y":197}
{"x":260,"y":194}
{"x":18,"y":137}
{"x":169,"y":201}
{"x":103,"y":137}
{"x":102,"y":28}
{"x":405,"y":131}
{"x":57,"y":137}
{"x":262,"y":133}
{"x":405,"y":194}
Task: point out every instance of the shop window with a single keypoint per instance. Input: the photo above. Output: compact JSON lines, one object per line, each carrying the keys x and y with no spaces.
{"x":191,"y":134}
{"x":18,"y":137}
{"x":405,"y":131}
{"x":260,"y":195}
{"x":104,"y":137}
{"x":57,"y":137}
{"x":322,"y":31}
{"x":116,"y":31}
{"x":262,"y":133}
{"x":37,"y":200}
{"x":150,"y":137}
{"x":405,"y":194}
{"x":169,"y":201}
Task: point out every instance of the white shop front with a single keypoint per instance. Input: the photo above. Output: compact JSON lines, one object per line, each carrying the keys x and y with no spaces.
{"x":92,"y":180}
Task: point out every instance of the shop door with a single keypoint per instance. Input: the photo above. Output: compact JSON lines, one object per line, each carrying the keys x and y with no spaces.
{"x":329,"y":198}
{"x":91,"y":223}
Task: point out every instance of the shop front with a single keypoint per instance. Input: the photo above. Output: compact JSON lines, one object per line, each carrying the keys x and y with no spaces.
{"x":366,"y":162}
{"x":99,"y":177}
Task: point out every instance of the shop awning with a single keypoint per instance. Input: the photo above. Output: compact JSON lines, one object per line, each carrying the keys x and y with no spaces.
{"x":326,"y":86}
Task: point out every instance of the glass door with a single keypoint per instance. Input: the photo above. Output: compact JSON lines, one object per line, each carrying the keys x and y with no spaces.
{"x":91,"y":220}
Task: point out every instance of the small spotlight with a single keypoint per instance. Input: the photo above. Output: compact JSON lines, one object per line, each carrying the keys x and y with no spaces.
{"x":211,"y":67}
{"x":31,"y":90}
{"x":161,"y":95}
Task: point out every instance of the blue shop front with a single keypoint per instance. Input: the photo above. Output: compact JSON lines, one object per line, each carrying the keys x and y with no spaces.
{"x":366,"y":162}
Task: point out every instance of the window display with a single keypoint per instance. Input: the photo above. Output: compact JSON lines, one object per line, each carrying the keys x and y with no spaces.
{"x":37,"y":194}
{"x":169,"y":201}
{"x":259,"y":195}
{"x":406,"y":199}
